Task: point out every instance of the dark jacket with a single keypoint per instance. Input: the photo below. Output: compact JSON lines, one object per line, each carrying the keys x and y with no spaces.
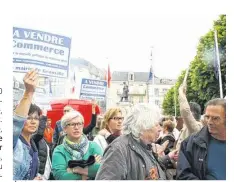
{"x":170,"y":137}
{"x":92,"y":124}
{"x":57,"y":132}
{"x":41,"y":144}
{"x":192,"y":163}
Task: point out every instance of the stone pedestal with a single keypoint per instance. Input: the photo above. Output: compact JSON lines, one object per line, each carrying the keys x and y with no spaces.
{"x":124,"y":106}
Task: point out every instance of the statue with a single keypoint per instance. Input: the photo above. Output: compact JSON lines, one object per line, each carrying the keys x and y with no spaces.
{"x":125,"y":93}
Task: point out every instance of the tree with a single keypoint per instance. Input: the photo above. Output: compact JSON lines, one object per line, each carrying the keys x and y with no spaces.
{"x":202,"y":85}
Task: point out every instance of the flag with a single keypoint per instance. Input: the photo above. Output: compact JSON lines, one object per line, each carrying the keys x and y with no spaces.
{"x":74,"y":82}
{"x":151,"y":73}
{"x":73,"y":89}
{"x":74,"y":78}
{"x":108,"y":76}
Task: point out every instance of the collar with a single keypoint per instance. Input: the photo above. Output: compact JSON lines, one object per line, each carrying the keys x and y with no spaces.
{"x":32,"y":148}
{"x":202,"y":137}
{"x":145,"y":146}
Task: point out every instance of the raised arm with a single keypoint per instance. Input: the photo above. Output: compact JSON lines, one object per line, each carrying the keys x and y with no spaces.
{"x":92,"y":124}
{"x":189,"y":120}
{"x":21,"y":111}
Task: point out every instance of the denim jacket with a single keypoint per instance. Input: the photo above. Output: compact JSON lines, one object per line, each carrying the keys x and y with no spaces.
{"x":21,"y":155}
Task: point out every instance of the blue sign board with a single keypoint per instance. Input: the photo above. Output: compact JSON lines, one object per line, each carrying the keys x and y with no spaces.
{"x":93,"y":89}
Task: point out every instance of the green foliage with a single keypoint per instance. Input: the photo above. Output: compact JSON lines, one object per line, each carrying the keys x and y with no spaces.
{"x":201,"y":83}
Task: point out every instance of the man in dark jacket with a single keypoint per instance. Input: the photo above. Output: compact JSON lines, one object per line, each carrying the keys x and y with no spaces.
{"x":58,"y":131}
{"x":202,"y":156}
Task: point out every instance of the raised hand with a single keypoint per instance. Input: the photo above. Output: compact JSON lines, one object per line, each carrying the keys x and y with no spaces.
{"x":31,"y":81}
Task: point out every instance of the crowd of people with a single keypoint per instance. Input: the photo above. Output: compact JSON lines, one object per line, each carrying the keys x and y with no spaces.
{"x":138,"y":145}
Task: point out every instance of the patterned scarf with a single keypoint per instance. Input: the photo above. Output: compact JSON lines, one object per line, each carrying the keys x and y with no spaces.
{"x":76,"y":150}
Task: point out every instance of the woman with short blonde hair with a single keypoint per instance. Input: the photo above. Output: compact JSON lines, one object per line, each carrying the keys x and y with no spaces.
{"x":111,"y":127}
{"x":75,"y":148}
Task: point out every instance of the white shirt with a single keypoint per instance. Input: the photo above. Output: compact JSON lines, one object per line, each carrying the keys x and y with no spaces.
{"x":101,"y":141}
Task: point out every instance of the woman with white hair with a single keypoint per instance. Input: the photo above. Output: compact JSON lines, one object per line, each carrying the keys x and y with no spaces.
{"x":76,"y":158}
{"x":130,"y":157}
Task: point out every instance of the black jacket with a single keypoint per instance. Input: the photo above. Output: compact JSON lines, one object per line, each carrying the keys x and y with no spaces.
{"x":170,"y":137}
{"x":92,"y":124}
{"x":192,"y":163}
{"x":41,"y":144}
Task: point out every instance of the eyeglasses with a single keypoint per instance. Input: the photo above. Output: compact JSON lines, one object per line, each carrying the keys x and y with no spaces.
{"x":33,"y":118}
{"x":213,"y":118}
{"x":73,"y":125}
{"x":118,"y":118}
{"x":66,"y":110}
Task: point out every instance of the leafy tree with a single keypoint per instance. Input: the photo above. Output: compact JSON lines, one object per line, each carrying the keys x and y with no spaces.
{"x":202,"y":84}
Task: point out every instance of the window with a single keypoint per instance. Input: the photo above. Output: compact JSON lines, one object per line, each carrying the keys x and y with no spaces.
{"x":156,"y":92}
{"x":140,"y":99}
{"x":157,"y":102}
{"x":164,"y":89}
{"x":131,"y":76}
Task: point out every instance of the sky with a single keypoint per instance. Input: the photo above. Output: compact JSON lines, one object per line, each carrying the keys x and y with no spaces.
{"x":125,"y":41}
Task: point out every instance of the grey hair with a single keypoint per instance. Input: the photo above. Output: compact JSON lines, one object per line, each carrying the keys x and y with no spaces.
{"x":69,"y":116}
{"x":141,"y":117}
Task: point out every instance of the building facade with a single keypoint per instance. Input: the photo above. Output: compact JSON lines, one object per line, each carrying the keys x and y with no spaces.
{"x":140,"y":89}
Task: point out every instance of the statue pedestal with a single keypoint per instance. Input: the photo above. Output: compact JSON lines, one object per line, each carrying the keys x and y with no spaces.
{"x":124,"y":106}
{"x":124,"y":103}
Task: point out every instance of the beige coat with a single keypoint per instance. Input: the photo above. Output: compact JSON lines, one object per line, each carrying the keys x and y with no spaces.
{"x":190,"y":124}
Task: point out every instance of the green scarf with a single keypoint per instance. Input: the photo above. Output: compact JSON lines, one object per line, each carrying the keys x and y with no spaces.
{"x":76,"y":150}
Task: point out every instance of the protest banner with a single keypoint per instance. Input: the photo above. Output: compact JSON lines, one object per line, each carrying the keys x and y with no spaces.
{"x":48,"y":53}
{"x":93,"y":89}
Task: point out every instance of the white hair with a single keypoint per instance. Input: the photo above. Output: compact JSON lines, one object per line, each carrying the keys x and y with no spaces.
{"x":141,"y":117}
{"x":69,"y":116}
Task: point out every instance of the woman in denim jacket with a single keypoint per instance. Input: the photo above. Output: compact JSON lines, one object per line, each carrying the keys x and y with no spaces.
{"x":25,"y":123}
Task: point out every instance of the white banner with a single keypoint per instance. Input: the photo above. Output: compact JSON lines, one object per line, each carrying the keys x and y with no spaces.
{"x":49,"y":53}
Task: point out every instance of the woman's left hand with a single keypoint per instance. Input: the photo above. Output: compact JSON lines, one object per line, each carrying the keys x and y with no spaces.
{"x":97,"y":158}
